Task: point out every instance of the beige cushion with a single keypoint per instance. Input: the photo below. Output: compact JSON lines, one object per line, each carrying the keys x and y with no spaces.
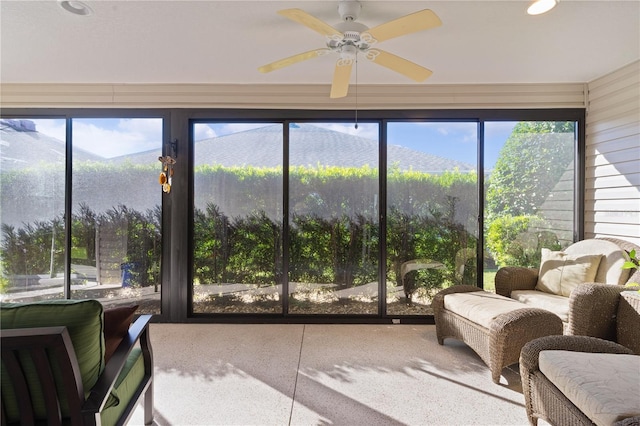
{"x":559,"y":305}
{"x":480,"y":307}
{"x":561,"y":272}
{"x":605,"y":387}
{"x":610,"y":270}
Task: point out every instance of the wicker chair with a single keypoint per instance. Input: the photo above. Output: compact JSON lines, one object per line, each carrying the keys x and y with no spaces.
{"x":543,"y":400}
{"x":591,"y":306}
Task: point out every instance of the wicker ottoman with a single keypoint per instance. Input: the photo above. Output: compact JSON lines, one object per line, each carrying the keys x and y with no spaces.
{"x":495,"y":327}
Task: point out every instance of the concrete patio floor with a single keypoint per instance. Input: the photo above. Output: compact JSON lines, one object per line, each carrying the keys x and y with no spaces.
{"x":294,"y":374}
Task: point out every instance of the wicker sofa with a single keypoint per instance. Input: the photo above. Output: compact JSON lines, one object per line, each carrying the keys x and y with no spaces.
{"x":588,"y":308}
{"x":494,"y":326}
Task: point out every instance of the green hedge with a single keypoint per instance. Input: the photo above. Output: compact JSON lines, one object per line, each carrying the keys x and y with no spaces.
{"x":334,"y":235}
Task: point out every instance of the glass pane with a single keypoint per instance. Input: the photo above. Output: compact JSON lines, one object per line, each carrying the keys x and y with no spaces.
{"x":432,"y":212}
{"x":334,"y":232}
{"x":529,"y":192}
{"x":237,"y":218}
{"x":32,"y":209}
{"x":116,"y":211}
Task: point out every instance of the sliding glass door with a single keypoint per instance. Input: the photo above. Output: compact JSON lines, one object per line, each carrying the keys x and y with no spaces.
{"x":115,"y":232}
{"x":333,"y":219}
{"x":530,"y":189}
{"x":237,"y":222}
{"x":32,"y":178}
{"x":432,"y":211}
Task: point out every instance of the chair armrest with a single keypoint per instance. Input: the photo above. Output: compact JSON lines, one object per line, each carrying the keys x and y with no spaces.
{"x":512,"y":278}
{"x":138,"y":331}
{"x":530,"y":351}
{"x":628,"y":321}
{"x":592,"y":310}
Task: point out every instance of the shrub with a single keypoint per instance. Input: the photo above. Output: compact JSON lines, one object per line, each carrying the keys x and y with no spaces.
{"x":518,"y":240}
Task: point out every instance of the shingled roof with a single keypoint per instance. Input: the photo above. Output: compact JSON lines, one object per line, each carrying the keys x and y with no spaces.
{"x":261,"y":147}
{"x":312,"y":145}
{"x":21,"y":146}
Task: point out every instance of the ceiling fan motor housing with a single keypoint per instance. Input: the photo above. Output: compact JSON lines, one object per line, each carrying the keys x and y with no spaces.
{"x":349,"y":10}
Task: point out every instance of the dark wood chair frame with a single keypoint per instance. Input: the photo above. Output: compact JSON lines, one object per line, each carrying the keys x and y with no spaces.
{"x":40,"y":343}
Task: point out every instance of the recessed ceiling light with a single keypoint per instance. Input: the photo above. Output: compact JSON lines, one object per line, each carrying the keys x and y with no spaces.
{"x":541,"y":6}
{"x":75,"y":7}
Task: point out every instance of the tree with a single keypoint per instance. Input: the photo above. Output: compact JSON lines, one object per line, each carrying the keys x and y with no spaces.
{"x":530,"y":164}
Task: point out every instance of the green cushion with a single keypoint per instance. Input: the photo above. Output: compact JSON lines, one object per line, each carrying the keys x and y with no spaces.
{"x":125,"y":387}
{"x":84,"y":321}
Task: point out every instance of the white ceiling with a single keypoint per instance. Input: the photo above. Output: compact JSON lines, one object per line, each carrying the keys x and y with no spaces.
{"x":226,"y":41}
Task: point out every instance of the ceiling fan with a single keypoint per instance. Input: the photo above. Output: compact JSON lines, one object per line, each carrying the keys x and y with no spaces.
{"x":350,"y":38}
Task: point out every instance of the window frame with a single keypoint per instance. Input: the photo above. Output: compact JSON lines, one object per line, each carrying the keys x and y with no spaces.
{"x":177,"y":208}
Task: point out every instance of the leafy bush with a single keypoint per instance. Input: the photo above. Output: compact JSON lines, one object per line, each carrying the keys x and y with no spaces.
{"x":530,"y":164}
{"x":27,"y":250}
{"x":518,"y":240}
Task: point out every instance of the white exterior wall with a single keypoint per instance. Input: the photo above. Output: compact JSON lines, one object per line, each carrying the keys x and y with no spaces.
{"x":612,"y":174}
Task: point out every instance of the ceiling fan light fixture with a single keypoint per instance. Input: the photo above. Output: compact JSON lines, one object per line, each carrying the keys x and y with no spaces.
{"x":348,"y":52}
{"x":539,"y":7}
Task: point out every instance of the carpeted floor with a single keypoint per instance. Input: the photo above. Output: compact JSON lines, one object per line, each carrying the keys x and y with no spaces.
{"x":291,"y":374}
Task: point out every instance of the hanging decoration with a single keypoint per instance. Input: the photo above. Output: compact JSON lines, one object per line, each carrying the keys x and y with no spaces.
{"x":168,"y":162}
{"x":167,"y":172}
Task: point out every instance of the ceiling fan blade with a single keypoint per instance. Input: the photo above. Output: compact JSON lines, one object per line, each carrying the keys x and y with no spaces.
{"x":398,"y":64}
{"x":294,"y":59}
{"x":310,"y":21}
{"x":414,"y":22}
{"x":340,"y":84}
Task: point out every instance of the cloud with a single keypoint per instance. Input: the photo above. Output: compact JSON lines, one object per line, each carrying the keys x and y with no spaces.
{"x":55,"y":128}
{"x":108,"y":137}
{"x":128,"y":136}
{"x":498,"y":128}
{"x":202,"y":131}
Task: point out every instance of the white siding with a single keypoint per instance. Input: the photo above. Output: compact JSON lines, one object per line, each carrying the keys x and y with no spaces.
{"x":558,"y":208}
{"x":612,"y":174}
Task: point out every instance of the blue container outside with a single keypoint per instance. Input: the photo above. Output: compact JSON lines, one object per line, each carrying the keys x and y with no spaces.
{"x":128,"y":273}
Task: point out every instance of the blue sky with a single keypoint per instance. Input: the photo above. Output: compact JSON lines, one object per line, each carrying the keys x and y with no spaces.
{"x":455,"y":140}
